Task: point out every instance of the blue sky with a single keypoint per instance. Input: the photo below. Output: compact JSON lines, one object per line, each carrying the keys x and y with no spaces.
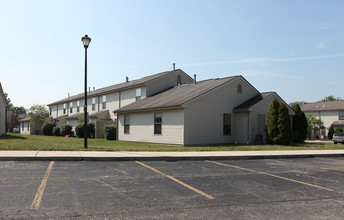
{"x":292,"y":47}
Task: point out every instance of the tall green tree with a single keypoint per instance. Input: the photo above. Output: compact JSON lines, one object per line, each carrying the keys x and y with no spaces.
{"x":330,"y":98}
{"x":272,"y":123}
{"x":38,"y":113}
{"x":284,"y":136}
{"x":297,"y":103}
{"x":300,"y":124}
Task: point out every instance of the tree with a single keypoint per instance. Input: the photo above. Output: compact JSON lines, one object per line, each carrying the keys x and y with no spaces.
{"x":284,"y":125}
{"x":272,"y":122}
{"x":330,"y":132}
{"x":330,"y":98}
{"x":300,"y":124}
{"x":314,"y":124}
{"x":297,"y":103}
{"x":38,"y":113}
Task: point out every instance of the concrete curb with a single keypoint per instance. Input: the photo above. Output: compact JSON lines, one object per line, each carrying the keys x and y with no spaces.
{"x":159,"y":156}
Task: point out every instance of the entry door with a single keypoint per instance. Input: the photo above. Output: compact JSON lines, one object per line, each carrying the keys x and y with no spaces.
{"x":261,"y":125}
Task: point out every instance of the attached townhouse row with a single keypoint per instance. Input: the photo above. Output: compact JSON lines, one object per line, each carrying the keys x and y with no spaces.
{"x":102,"y":102}
{"x":173,"y":108}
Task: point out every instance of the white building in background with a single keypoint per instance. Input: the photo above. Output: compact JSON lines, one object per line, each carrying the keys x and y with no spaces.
{"x":215,"y":111}
{"x":330,"y":112}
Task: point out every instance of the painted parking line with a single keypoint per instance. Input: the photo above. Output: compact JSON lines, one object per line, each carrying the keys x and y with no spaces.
{"x":269,"y":174}
{"x":176,"y":180}
{"x":40,"y":190}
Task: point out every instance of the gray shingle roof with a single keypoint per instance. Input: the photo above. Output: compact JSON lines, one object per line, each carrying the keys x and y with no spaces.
{"x":251,"y":102}
{"x":323,"y":106}
{"x":175,"y":97}
{"x":117,"y":87}
{"x":75,"y":116}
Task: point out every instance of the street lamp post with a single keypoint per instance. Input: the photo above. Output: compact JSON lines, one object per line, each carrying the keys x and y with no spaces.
{"x":86,"y":41}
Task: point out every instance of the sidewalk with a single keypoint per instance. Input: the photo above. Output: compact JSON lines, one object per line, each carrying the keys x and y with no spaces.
{"x":162,"y":156}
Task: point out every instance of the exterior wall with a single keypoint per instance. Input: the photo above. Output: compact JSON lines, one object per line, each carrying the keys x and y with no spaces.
{"x":142,"y":128}
{"x":112,"y":103}
{"x":166,"y":82}
{"x":128,"y":97}
{"x":73,"y":122}
{"x":204,"y":117}
{"x":2,"y":116}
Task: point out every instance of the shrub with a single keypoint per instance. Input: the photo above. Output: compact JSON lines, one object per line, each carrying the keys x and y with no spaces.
{"x":79,"y":130}
{"x":56,"y":131}
{"x":337,"y":130}
{"x":110,"y":132}
{"x":272,"y":123}
{"x":66,"y":129}
{"x":47,"y":128}
{"x":284,"y":125}
{"x":300,"y":124}
{"x":330,"y":133}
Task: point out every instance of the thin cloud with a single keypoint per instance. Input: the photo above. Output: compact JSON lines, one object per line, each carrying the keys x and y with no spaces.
{"x":264,"y":60}
{"x":322,"y":46}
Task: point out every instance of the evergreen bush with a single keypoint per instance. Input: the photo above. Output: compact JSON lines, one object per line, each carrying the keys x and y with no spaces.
{"x":79,"y":130}
{"x":110,"y":132}
{"x":330,"y":133}
{"x":284,"y":126}
{"x":47,"y":128}
{"x":337,"y":130}
{"x":272,"y":123}
{"x":300,"y":124}
{"x":66,"y":129}
{"x":56,"y":131}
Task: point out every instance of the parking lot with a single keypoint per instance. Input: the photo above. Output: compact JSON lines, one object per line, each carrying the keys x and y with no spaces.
{"x":221,"y":189}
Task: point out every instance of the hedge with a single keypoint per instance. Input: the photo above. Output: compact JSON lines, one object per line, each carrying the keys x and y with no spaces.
{"x":79,"y":130}
{"x":110,"y":132}
{"x":66,"y":129}
{"x":47,"y":128}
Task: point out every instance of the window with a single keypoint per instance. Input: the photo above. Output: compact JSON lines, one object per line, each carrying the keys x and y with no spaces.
{"x":22,"y":125}
{"x":157,"y":123}
{"x":179,"y":80}
{"x":126,"y":124}
{"x":138,"y":94}
{"x":71,"y":107}
{"x":64,"y":108}
{"x":341,"y":115}
{"x":227,"y":124}
{"x":28,"y":126}
{"x":239,"y":89}
{"x":78,"y":106}
{"x":104,"y":102}
{"x":93,"y":104}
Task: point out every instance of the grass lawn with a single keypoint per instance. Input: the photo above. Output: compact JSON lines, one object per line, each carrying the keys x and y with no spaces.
{"x":52,"y":143}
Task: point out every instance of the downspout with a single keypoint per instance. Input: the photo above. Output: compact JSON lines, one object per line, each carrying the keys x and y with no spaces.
{"x":57,"y":111}
{"x":119,"y":99}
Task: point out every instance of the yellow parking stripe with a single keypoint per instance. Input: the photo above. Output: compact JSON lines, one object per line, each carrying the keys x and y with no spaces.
{"x":176,"y":180}
{"x":40,"y":190}
{"x":269,"y":174}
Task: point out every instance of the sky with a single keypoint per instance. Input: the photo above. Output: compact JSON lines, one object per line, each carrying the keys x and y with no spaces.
{"x":293,"y":47}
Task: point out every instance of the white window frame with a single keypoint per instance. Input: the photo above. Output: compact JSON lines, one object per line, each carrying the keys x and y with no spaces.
{"x":158,"y":123}
{"x":138,"y":94}
{"x":104,"y":102}
{"x":126,"y":124}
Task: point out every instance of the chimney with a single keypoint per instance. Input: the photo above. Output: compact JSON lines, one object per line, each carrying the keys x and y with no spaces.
{"x":126,"y":79}
{"x":195,"y":79}
{"x":94,"y":89}
{"x":174,"y":66}
{"x":68,"y":95}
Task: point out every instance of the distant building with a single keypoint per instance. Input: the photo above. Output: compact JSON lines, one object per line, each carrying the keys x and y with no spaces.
{"x":3,"y":116}
{"x":330,"y":112}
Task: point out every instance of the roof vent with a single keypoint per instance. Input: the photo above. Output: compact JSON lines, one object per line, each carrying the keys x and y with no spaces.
{"x":174,"y":66}
{"x":126,"y":79}
{"x":94,"y":89}
{"x":68,"y":94}
{"x":195,"y":78}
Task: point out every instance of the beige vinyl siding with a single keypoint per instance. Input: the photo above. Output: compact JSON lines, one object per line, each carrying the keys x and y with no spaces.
{"x":204,"y":116}
{"x":142,"y":127}
{"x":128,"y":96}
{"x":241,"y":126}
{"x":328,"y":117}
{"x":166,"y":82}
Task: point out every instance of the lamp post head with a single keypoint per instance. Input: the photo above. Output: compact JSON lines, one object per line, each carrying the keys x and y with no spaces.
{"x":86,"y":41}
